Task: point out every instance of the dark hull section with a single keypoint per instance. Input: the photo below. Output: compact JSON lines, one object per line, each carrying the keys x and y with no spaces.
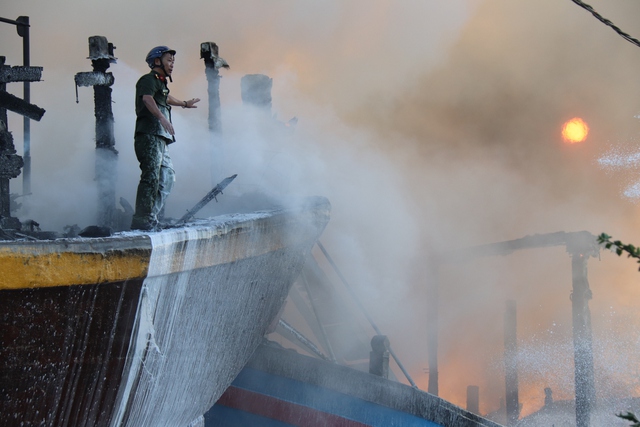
{"x":66,"y":350}
{"x":62,"y":351}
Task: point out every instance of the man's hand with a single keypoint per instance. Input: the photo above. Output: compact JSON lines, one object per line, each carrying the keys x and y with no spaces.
{"x":184,"y":104}
{"x":191,"y":103}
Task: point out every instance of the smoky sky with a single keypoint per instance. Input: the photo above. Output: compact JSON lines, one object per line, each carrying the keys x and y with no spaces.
{"x":484,"y":127}
{"x":430,"y":125}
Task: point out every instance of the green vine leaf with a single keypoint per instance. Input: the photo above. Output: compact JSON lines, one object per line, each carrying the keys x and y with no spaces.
{"x":619,"y":248}
{"x":630,"y":416}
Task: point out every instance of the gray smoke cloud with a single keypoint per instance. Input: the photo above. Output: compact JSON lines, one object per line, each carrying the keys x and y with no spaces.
{"x":490,"y":165}
{"x":429,"y":125}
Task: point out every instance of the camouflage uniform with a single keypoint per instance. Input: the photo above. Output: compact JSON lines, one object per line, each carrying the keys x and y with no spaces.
{"x":151,"y":141}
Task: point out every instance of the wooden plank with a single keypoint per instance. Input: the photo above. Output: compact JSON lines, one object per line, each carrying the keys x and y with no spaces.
{"x":18,"y":105}
{"x":20,"y":74}
{"x":94,"y":78}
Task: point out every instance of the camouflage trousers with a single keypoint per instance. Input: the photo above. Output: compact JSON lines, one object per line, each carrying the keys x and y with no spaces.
{"x":156,"y":179}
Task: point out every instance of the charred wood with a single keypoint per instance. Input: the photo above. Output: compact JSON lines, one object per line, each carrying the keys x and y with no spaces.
{"x":10,"y":162}
{"x":94,"y":78}
{"x":256,"y":90}
{"x":20,"y":74}
{"x":212,"y":63}
{"x":17,"y":105}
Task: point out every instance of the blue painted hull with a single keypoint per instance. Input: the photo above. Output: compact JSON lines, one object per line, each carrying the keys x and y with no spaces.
{"x":281,"y":388}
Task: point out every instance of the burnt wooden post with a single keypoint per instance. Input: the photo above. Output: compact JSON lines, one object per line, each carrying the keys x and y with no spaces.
{"x":212,"y":64}
{"x":511,"y":363}
{"x":473,"y":399}
{"x":256,"y":91}
{"x":11,"y":163}
{"x":582,"y":334}
{"x":22,"y":27}
{"x":209,"y":52}
{"x":3,"y":89}
{"x":548,"y":396}
{"x":101,"y":56}
{"x":6,"y":141}
{"x":432,"y":326}
{"x":23,"y":31}
{"x":10,"y":166}
{"x":379,"y":356}
{"x":581,"y":248}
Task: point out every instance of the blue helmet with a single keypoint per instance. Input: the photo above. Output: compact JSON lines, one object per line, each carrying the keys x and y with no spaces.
{"x":157,"y":52}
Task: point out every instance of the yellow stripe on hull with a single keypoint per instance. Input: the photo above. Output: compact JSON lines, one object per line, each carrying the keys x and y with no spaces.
{"x":67,"y":262}
{"x":28,"y":270}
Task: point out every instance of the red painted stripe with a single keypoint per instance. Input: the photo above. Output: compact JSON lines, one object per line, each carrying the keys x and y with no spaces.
{"x":280,"y":410}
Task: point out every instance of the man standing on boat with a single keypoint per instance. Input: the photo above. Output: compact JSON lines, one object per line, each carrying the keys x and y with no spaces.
{"x":153,"y":133}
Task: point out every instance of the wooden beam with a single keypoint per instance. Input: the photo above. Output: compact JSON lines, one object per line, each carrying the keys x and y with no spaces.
{"x":18,"y":105}
{"x":20,"y":74}
{"x":94,"y":78}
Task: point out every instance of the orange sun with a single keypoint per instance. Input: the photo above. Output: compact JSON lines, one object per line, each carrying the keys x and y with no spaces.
{"x":574,"y":131}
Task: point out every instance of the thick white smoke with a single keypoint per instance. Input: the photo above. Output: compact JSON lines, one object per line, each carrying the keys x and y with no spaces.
{"x":428,"y":124}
